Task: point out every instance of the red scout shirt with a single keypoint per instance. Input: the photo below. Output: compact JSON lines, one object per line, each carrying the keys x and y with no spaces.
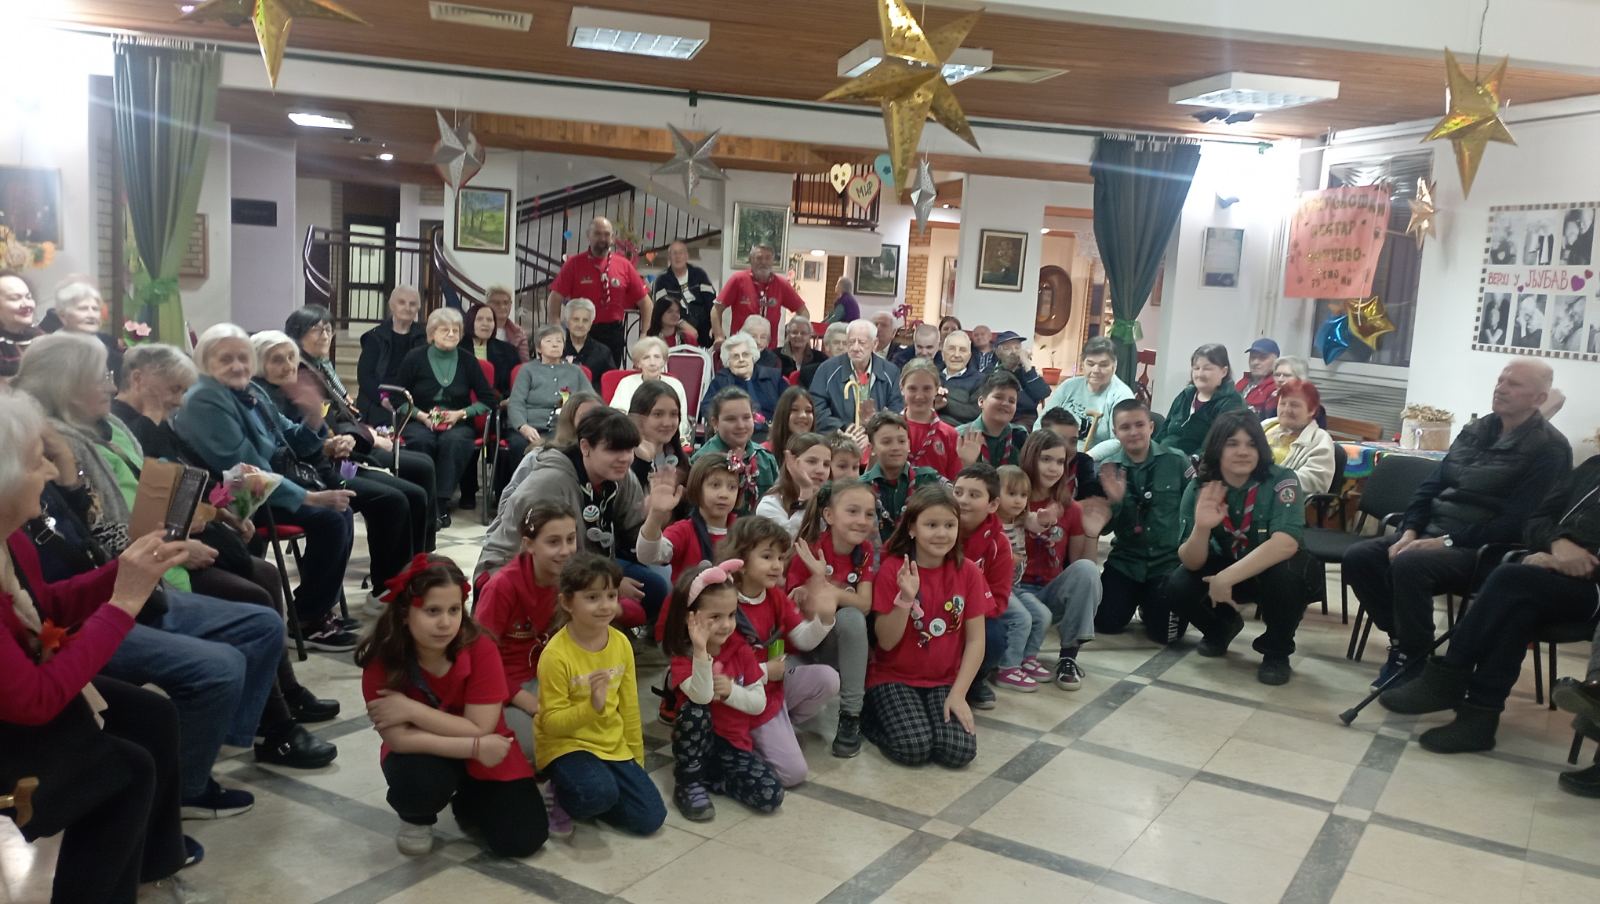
{"x":843,"y":568}
{"x":929,"y":653}
{"x":745,"y":297}
{"x":1047,"y":552}
{"x":934,"y":446}
{"x":738,"y":662}
{"x":515,"y":609}
{"x":610,"y":282}
{"x":990,"y":551}
{"x":773,"y":617}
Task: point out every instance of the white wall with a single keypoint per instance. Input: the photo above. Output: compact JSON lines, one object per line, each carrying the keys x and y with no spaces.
{"x":1010,"y":205}
{"x":267,"y":275}
{"x":313,"y":206}
{"x":210,"y":300}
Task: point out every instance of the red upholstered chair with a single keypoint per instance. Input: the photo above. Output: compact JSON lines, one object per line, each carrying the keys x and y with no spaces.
{"x":692,"y":367}
{"x":793,"y":378}
{"x":488,"y":443}
{"x":609,"y":381}
{"x":587,"y":374}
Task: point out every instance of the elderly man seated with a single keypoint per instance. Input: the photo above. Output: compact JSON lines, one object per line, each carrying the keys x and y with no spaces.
{"x":849,"y":388}
{"x":740,"y":368}
{"x":1496,"y":472}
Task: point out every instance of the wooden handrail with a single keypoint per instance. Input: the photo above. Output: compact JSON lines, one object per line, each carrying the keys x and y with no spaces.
{"x":442,"y":265}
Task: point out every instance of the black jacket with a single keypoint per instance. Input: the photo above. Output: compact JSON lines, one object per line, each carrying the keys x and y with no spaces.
{"x":416,"y":374}
{"x":594,"y":356}
{"x":503,"y":355}
{"x":1570,"y":511}
{"x":1488,"y":485}
{"x":382,"y":350}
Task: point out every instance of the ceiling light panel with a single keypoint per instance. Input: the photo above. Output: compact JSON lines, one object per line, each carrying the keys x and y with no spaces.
{"x":965,"y":63}
{"x":1253,"y":92}
{"x":312,"y":119}
{"x":662,"y":37}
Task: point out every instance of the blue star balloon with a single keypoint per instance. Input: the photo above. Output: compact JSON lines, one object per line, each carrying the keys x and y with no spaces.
{"x":1334,"y":337}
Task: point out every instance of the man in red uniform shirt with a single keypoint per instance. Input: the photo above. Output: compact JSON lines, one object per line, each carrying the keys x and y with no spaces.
{"x":607,"y":280}
{"x":757,"y":291}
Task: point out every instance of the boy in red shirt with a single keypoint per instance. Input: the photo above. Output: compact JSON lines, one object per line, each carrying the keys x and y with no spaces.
{"x":977,"y":491}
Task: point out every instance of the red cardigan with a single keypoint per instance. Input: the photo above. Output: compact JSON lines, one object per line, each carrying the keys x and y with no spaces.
{"x":37,"y":693}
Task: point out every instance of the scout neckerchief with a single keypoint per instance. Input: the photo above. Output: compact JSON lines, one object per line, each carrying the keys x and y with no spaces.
{"x":987,"y":452}
{"x":931,"y":444}
{"x":605,"y":279}
{"x":525,"y":629}
{"x":1044,"y":544}
{"x":897,"y":491}
{"x":763,"y":302}
{"x":745,"y":465}
{"x":1143,"y":496}
{"x":1241,"y":534}
{"x":702,"y":533}
{"x":747,"y":628}
{"x":858,"y":559}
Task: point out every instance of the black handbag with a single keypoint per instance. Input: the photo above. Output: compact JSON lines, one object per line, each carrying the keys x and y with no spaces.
{"x":293,"y":468}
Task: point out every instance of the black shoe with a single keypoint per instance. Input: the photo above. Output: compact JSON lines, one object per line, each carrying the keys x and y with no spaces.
{"x":1216,"y":643}
{"x":847,"y":740}
{"x":193,"y":852}
{"x":468,"y":503}
{"x":694,"y":802}
{"x":1584,"y":782}
{"x":444,"y":521}
{"x":1274,"y":670}
{"x":1471,"y":732}
{"x":328,"y":636}
{"x":296,"y":749}
{"x":217,"y":802}
{"x":1581,"y":698}
{"x":349,"y":624}
{"x":980,"y":695}
{"x":307,"y":707}
{"x":1439,"y":687}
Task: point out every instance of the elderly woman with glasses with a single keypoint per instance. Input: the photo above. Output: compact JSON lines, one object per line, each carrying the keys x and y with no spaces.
{"x":447,"y":390}
{"x":764,"y":384}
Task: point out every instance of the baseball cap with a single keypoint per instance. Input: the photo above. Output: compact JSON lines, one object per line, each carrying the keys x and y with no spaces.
{"x":1264,"y":346}
{"x":1004,"y":336}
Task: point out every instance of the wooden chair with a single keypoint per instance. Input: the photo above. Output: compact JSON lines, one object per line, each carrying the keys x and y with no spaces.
{"x":1345,"y":428}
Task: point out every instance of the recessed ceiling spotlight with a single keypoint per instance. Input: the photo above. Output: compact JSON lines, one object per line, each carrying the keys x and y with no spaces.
{"x":386,"y":156}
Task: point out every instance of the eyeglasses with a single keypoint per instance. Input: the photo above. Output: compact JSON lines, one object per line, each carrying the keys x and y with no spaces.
{"x":109,"y":378}
{"x":325,"y":329}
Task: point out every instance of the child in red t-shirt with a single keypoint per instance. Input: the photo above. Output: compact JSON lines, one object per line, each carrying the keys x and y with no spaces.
{"x":839,"y":528}
{"x":933,"y":442}
{"x":977,"y":492}
{"x":931,"y":604}
{"x":713,"y":490}
{"x":435,"y":690}
{"x":1061,"y":571}
{"x":721,"y":689}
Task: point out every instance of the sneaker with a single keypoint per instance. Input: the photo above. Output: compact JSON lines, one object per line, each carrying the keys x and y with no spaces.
{"x":1036,"y":670}
{"x":1584,"y":782}
{"x":847,"y":740}
{"x":980,"y":695}
{"x":694,"y":802}
{"x":307,"y":708}
{"x":1068,"y":676}
{"x":1274,"y":670}
{"x":372,"y":605}
{"x":1015,"y":679}
{"x":1216,"y":644}
{"x":1394,"y":663}
{"x":667,"y":712}
{"x":349,"y":624}
{"x":172,"y":890}
{"x":217,"y":802}
{"x":328,"y":636}
{"x":193,"y":852}
{"x":1176,"y":627}
{"x":414,"y":840}
{"x":296,"y":749}
{"x":560,"y":822}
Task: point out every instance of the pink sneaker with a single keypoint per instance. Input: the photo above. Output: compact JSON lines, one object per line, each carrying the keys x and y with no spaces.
{"x":1036,"y":670}
{"x":1015,"y":679}
{"x":560,"y":822}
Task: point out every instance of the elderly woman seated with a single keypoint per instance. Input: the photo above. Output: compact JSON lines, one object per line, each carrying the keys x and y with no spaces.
{"x":447,"y":390}
{"x":763,"y":384}
{"x":1293,"y":367}
{"x":582,"y":349}
{"x":229,"y":421}
{"x":395,"y":510}
{"x":650,"y":357}
{"x":1297,"y":442}
{"x":79,"y":309}
{"x":833,"y":339}
{"x":542,"y":386}
{"x":383,"y":348}
{"x":796,"y":351}
{"x":500,"y":354}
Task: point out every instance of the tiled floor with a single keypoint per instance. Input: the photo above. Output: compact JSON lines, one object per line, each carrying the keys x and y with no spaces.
{"x":1167,"y":778}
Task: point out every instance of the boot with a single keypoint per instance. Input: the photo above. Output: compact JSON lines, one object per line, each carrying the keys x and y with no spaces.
{"x":1438,"y":688}
{"x":1584,"y":782}
{"x":1472,"y":731}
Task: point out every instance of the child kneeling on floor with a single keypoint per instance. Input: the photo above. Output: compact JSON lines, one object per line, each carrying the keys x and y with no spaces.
{"x":435,"y":691}
{"x":930,"y":604}
{"x":587,"y":736}
{"x":721,"y":690}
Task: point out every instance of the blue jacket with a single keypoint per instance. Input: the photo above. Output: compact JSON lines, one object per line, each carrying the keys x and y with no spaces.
{"x":834,"y":410}
{"x":764,"y":386}
{"x":223,"y":430}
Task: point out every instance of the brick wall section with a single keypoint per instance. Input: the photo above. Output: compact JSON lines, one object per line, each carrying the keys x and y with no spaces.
{"x":916,"y":288}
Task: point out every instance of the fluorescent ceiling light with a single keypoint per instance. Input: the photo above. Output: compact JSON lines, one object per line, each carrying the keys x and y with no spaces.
{"x":818,"y":252}
{"x":314,"y":120}
{"x":386,"y":156}
{"x":653,"y":36}
{"x":963,"y":64}
{"x":1241,"y":91}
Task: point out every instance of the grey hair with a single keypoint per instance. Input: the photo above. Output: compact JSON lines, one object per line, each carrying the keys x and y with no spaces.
{"x":845,"y":285}
{"x":647,"y":343}
{"x":578,"y":304}
{"x":57,"y":367}
{"x":739,"y":338}
{"x":926,"y":331}
{"x":161,"y":360}
{"x":442,"y":316}
{"x":540,"y":334}
{"x":868,"y":325}
{"x":21,"y":422}
{"x":73,"y":290}
{"x":267,"y":340}
{"x":763,"y":246}
{"x":760,"y":323}
{"x":1297,"y":366}
{"x":498,"y":290}
{"x":405,"y":290}
{"x":213,"y":335}
{"x":835,"y":332}
{"x":881,"y":314}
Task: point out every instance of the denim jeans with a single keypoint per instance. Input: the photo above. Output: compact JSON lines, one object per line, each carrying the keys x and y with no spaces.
{"x":1025,"y":621}
{"x":994,"y":644}
{"x":617,"y":791}
{"x":656,"y":586}
{"x":216,"y":661}
{"x":1072,"y":597}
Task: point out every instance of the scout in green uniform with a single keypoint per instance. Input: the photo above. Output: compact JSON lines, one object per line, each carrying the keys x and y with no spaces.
{"x":1241,"y":524}
{"x":1143,"y":482}
{"x":892,"y":479}
{"x":733,"y":426}
{"x":1210,"y":394}
{"x":993,"y":438}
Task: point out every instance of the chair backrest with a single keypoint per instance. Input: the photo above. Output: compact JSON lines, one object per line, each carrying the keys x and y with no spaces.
{"x":1350,"y":428}
{"x":1340,"y":460}
{"x":514,"y":371}
{"x":692,"y":367}
{"x":587,"y":373}
{"x":1394,"y":481}
{"x":609,"y":381}
{"x":481,"y":420}
{"x":793,"y":379}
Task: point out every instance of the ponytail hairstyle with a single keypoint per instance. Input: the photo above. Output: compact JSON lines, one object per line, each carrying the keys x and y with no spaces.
{"x":390,"y":643}
{"x":1039,"y":442}
{"x":787,"y":490}
{"x":932,"y":496}
{"x":815,"y":521}
{"x":675,"y":630}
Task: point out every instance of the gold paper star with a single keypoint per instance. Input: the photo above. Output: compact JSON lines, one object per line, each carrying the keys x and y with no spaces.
{"x":1473,"y":119}
{"x":909,"y":83}
{"x":1422,"y":211}
{"x":272,"y":19}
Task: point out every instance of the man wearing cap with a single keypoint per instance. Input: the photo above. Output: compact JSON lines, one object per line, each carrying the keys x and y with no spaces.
{"x":756,"y":292}
{"x":1260,"y":391}
{"x":1008,"y":356}
{"x":609,"y":281}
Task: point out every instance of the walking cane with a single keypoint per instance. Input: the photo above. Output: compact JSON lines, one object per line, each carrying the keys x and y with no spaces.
{"x":1350,"y":714}
{"x":21,"y":800}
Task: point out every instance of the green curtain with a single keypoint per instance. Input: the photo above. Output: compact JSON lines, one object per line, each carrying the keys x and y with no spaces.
{"x":165,"y":108}
{"x":1139,"y":187}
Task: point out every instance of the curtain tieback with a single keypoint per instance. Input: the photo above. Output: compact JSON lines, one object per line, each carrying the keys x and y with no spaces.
{"x":1128,"y":331}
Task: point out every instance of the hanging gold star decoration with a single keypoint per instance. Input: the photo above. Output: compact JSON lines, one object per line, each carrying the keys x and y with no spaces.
{"x":272,"y":20}
{"x":909,"y":83}
{"x":1368,"y":320}
{"x":692,"y":160}
{"x":1422,"y":211}
{"x":1473,"y":117}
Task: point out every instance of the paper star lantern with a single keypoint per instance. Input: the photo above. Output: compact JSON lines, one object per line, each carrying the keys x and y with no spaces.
{"x":457,"y":155}
{"x":272,"y":20}
{"x":1368,"y":320}
{"x":1473,"y":117}
{"x":692,"y":160}
{"x":1422,"y":211}
{"x":1334,"y":337}
{"x":923,"y":196}
{"x":909,"y":83}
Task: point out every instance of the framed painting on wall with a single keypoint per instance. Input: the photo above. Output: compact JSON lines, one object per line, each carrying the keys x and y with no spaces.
{"x":1220,"y":256}
{"x":947,"y":285}
{"x":1001,"y":256}
{"x":759,"y":224}
{"x":483,"y":220}
{"x":811,"y":270}
{"x":30,"y":203}
{"x":879,"y":275}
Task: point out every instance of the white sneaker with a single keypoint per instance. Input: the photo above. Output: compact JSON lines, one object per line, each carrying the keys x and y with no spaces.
{"x":172,"y":890}
{"x":414,"y":840}
{"x":374,"y":606}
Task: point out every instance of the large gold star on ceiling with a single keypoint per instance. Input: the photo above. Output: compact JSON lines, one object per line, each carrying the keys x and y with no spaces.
{"x":1473,"y":117}
{"x":272,"y":20}
{"x":909,"y":83}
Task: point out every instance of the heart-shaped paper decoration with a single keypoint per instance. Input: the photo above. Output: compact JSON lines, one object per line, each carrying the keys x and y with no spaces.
{"x":1578,"y":282}
{"x":839,"y":176}
{"x":864,"y":189}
